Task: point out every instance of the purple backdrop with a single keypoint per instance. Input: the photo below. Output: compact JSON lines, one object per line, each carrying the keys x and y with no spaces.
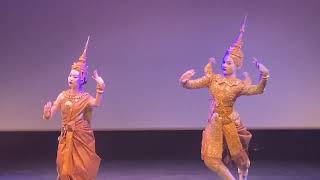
{"x":141,"y":47}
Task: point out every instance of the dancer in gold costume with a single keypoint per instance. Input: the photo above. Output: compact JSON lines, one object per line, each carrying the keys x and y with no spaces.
{"x":224,"y":130}
{"x":76,"y":156}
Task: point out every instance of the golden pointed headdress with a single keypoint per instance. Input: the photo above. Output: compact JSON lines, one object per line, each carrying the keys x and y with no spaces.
{"x":235,"y":49}
{"x":81,"y":64}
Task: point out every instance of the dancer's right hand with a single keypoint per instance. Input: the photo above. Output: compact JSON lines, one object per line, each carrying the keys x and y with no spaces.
{"x":187,"y":75}
{"x":47,"y":109}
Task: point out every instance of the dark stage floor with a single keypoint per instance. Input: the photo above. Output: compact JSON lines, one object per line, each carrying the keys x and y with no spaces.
{"x":164,"y":170}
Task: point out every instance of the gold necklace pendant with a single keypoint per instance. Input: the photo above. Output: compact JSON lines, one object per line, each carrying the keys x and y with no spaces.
{"x":68,"y":103}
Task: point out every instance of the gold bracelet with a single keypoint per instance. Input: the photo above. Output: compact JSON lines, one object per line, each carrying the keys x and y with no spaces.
{"x":99,"y":91}
{"x":265,"y":76}
{"x":100,"y":88}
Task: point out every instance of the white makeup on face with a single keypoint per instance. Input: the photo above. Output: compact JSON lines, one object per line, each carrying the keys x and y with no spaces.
{"x":228,"y":66}
{"x":74,"y":79}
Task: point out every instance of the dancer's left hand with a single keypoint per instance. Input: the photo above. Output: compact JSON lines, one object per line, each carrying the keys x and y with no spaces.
{"x":260,"y":66}
{"x":97,"y":78}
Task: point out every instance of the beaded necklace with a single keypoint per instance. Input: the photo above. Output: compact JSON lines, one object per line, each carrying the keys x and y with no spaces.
{"x":74,"y":97}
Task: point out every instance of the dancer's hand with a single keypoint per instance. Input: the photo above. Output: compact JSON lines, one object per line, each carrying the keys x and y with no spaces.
{"x":97,"y":78}
{"x":47,"y":110}
{"x":261,"y":67}
{"x":187,"y":75}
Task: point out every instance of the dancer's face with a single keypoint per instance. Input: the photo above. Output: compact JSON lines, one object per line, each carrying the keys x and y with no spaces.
{"x":228,"y":66}
{"x":74,"y":80}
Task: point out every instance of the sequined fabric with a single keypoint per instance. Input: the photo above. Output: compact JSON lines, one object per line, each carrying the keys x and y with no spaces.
{"x":224,"y":128}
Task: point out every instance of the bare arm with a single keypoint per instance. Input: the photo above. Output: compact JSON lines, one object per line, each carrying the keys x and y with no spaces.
{"x":50,"y":108}
{"x":95,"y":102}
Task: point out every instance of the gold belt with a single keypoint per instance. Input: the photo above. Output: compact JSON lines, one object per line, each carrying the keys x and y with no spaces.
{"x":66,"y":128}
